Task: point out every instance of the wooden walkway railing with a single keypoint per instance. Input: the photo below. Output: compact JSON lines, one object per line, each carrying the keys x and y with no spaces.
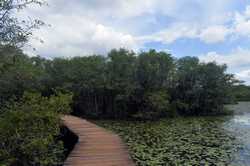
{"x":96,"y":146}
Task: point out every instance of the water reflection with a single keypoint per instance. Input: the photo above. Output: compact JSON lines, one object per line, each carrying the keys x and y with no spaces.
{"x":239,"y":124}
{"x":242,"y":120}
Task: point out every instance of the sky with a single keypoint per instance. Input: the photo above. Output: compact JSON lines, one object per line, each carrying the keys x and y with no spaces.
{"x":214,"y":30}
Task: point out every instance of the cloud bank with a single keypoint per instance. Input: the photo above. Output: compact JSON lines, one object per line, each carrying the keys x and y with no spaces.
{"x":80,"y":28}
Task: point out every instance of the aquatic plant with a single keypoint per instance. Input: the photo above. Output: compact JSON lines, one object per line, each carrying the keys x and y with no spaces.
{"x":179,"y":141}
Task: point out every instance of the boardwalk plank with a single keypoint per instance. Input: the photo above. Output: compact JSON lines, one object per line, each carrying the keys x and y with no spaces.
{"x":96,"y":146}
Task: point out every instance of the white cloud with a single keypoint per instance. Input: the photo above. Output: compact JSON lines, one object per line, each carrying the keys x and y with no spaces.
{"x":237,"y":58}
{"x":95,"y":26}
{"x":171,"y":34}
{"x":238,"y":62}
{"x":217,"y":29}
{"x":109,"y":38}
{"x":242,"y":23}
{"x":211,"y":34}
{"x":214,"y":34}
{"x":244,"y":75}
{"x":78,"y":37}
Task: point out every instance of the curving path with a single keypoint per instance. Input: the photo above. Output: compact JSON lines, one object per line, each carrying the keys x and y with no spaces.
{"x":96,"y":146}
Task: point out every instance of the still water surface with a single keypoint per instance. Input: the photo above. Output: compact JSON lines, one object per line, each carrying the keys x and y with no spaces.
{"x":239,"y":125}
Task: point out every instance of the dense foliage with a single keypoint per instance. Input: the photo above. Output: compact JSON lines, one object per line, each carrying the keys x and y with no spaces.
{"x":241,"y":92}
{"x":179,"y":141}
{"x":202,"y":88}
{"x":147,"y":85}
{"x":17,"y":74}
{"x":29,"y":131}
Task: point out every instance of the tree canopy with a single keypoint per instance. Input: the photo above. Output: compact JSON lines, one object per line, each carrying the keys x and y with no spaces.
{"x":124,"y":84}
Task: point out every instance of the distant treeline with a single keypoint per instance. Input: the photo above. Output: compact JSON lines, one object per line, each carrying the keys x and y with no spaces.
{"x":242,"y":92}
{"x":122,"y":84}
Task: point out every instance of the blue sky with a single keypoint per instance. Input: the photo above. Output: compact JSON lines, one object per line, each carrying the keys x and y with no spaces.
{"x":214,"y":30}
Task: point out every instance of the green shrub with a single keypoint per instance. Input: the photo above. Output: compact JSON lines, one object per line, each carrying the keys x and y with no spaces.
{"x":29,"y":131}
{"x":155,"y":105}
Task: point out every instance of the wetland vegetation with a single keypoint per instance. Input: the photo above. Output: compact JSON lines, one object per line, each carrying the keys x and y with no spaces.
{"x":222,"y":140}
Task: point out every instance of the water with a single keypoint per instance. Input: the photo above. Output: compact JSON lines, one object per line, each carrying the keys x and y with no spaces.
{"x":239,"y":125}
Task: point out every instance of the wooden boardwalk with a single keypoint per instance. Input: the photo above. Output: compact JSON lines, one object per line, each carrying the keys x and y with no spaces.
{"x":96,"y":146}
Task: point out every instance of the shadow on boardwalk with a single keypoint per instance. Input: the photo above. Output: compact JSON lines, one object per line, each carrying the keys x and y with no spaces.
{"x":96,"y":146}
